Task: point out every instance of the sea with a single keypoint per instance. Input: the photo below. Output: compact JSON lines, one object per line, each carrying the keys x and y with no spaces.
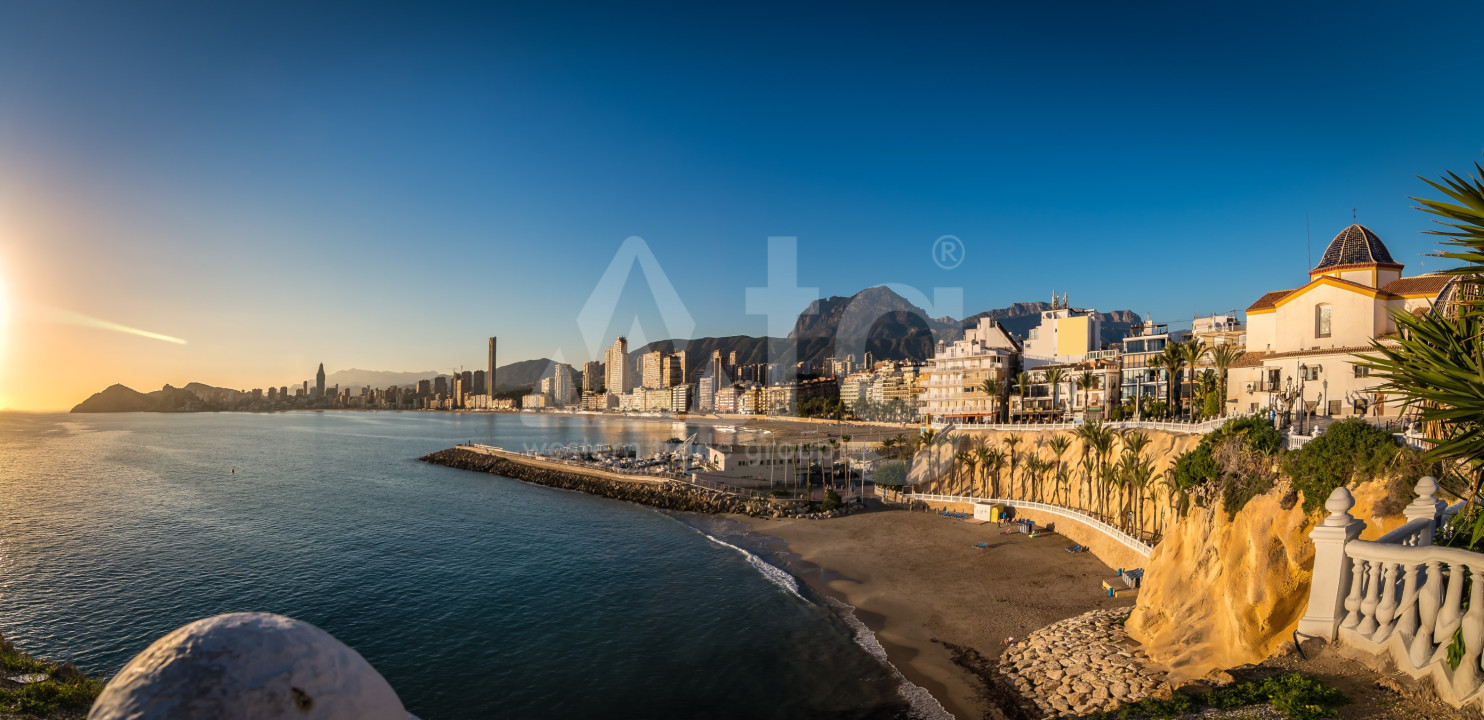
{"x":476,"y":596}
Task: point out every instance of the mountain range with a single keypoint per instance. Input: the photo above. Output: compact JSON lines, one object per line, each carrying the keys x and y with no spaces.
{"x":876,"y":320}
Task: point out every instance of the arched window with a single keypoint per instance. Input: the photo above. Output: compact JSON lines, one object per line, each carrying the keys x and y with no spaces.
{"x":1321,"y":320}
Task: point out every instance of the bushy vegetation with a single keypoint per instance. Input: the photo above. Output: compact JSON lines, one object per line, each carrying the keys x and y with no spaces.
{"x":831,"y":500}
{"x":1348,"y":452}
{"x":65,"y":689}
{"x":891,"y":474}
{"x":1296,"y":696}
{"x":1234,"y":463}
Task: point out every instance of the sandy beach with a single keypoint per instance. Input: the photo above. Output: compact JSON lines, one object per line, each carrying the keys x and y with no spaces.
{"x":919,"y":583}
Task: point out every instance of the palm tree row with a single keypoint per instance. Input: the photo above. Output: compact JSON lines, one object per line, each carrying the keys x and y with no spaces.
{"x":1118,"y":482}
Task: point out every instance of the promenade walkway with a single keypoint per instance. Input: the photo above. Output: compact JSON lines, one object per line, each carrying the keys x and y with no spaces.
{"x":1129,"y":541}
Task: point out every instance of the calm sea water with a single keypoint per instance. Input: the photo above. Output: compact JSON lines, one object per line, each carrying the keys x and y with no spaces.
{"x":476,"y":596}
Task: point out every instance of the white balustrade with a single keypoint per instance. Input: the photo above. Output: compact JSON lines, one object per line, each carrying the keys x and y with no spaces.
{"x":1400,"y":597}
{"x":1127,"y":540}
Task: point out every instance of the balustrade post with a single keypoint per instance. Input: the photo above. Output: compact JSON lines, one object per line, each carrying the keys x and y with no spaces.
{"x":1331,"y":579}
{"x":1427,"y":611}
{"x":1386,"y":611}
{"x":1426,"y":506}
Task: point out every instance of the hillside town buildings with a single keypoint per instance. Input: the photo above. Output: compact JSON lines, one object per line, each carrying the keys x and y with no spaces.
{"x":1303,"y":343}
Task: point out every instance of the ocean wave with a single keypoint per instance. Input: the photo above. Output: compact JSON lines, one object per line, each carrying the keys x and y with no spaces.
{"x":773,"y":574}
{"x":921,"y":702}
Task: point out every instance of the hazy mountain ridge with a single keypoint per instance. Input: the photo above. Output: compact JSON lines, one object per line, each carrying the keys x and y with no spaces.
{"x":875,"y":320}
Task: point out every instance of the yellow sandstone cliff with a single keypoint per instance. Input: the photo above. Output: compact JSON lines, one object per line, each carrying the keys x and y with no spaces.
{"x":1219,"y":593}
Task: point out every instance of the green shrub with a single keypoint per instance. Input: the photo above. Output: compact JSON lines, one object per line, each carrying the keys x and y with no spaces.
{"x":891,"y":474}
{"x":64,"y":689}
{"x":1296,"y":696}
{"x":1348,"y":452}
{"x":1257,"y":435}
{"x":1195,"y":468}
{"x":831,"y":500}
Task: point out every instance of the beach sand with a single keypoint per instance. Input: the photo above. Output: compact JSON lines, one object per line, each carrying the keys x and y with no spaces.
{"x":918,"y":582}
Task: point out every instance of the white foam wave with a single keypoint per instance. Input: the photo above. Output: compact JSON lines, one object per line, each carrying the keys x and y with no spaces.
{"x":921,"y":702}
{"x":771,"y":573}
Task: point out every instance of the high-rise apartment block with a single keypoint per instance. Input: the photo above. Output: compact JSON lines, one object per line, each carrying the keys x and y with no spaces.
{"x":617,"y":358}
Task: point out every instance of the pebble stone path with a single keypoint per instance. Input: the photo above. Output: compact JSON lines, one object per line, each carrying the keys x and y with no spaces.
{"x":1080,"y":665}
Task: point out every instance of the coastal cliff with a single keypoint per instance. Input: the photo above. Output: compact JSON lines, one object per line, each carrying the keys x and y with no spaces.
{"x":1221,"y":592}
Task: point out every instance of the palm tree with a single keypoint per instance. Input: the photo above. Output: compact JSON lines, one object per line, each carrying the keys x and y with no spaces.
{"x":1032,"y":475}
{"x":1223,"y":356}
{"x":1086,"y":382}
{"x":1134,"y":443}
{"x":1174,"y":363}
{"x":981,"y":458}
{"x":1011,"y":440}
{"x":1059,"y":446}
{"x":1102,"y":441}
{"x":1193,"y":352}
{"x":991,"y":388}
{"x":960,"y":460}
{"x":996,"y":464}
{"x":1022,"y":386}
{"x":1156,"y":363}
{"x":1054,"y":376}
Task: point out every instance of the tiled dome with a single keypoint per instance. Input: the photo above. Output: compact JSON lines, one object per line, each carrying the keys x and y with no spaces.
{"x":1355,"y":245}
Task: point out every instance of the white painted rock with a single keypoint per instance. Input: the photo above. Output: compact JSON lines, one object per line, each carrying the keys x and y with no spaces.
{"x":248,"y":665}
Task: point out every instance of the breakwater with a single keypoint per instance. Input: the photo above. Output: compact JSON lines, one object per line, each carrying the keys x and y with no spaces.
{"x":657,"y":492}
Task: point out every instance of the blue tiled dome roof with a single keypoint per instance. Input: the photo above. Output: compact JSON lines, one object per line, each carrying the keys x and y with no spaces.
{"x":1355,"y":245}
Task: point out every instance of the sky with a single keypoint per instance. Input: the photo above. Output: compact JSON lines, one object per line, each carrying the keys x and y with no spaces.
{"x":382,"y":186}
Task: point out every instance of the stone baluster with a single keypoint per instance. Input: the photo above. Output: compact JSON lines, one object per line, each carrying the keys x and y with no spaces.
{"x":1427,"y":506}
{"x":1352,"y":601}
{"x":1406,"y":618}
{"x":1372,"y":599}
{"x":1427,"y":612}
{"x":1466,"y":677}
{"x":1452,"y":610}
{"x":1332,"y":569}
{"x":1386,"y":610}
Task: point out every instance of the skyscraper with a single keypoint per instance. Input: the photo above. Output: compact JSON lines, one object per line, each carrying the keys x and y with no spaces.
{"x":652,"y":364}
{"x":489,"y":376}
{"x":617,"y":357}
{"x":590,"y":380}
{"x":319,"y":382}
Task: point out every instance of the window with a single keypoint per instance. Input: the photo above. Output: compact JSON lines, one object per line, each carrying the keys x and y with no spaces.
{"x":1334,"y":407}
{"x":1362,"y":371}
{"x":1321,"y":321}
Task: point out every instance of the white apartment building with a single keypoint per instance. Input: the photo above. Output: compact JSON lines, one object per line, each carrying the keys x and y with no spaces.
{"x":956,"y":373}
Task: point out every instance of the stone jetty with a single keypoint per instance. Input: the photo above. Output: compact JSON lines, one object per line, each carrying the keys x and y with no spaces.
{"x":1081,"y":665}
{"x":655,"y":492}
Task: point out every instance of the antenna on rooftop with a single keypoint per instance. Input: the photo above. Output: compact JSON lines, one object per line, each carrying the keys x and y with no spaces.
{"x":1308,"y":239}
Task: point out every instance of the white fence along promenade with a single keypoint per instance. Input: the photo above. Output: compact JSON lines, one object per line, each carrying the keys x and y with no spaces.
{"x":1399,"y":597}
{"x":1127,"y":540}
{"x":1174,"y":426}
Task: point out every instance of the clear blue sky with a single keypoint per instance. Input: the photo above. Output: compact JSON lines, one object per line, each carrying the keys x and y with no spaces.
{"x":382,"y":186}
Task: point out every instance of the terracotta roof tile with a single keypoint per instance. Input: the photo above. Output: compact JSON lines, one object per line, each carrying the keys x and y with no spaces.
{"x":1269,"y":300}
{"x":1430,"y":284}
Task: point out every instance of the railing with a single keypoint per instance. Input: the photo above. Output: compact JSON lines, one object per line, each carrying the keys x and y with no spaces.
{"x":1127,"y":540}
{"x":1193,"y":428}
{"x":1401,"y":598}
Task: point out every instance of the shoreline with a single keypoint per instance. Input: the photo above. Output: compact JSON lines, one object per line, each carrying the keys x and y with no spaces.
{"x":938,"y":606}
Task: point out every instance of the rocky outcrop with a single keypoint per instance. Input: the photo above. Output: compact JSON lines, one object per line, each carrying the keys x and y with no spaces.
{"x":1220,"y":592}
{"x":664,"y":494}
{"x":118,"y":398}
{"x":1080,"y":665}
